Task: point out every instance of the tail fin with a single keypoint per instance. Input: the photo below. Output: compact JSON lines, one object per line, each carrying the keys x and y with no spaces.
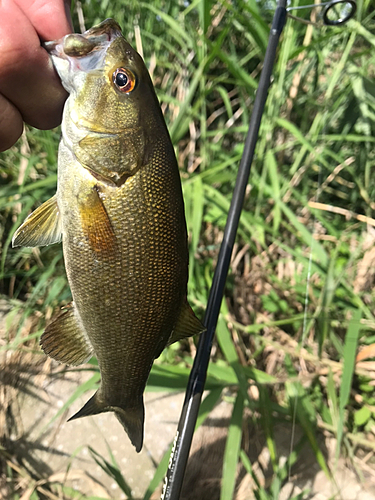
{"x":92,"y":407}
{"x":132,"y":419}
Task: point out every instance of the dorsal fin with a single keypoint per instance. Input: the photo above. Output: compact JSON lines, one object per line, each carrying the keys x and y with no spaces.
{"x":187,"y":324}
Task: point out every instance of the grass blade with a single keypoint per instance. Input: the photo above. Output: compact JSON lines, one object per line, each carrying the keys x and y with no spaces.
{"x":350,"y":349}
{"x":112,"y":470}
{"x":232,"y":450}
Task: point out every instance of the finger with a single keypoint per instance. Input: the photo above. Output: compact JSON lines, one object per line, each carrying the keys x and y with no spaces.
{"x":11,"y":124}
{"x":27,"y":77}
{"x":50,"y":18}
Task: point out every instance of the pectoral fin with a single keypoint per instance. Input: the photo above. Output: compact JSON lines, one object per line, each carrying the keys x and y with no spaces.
{"x":187,"y":325}
{"x":64,"y":340}
{"x":41,"y":228}
{"x":96,"y":224}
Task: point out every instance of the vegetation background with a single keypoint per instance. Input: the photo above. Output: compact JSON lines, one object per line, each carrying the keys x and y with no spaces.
{"x":295,"y":340}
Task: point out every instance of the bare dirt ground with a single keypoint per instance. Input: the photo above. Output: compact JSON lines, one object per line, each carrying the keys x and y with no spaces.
{"x":34,"y":389}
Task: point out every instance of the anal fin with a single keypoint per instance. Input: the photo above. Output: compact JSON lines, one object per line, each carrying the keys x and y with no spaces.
{"x":65,"y":341}
{"x":41,"y":228}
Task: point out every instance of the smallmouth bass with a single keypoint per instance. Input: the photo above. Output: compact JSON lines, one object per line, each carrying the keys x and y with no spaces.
{"x":119,"y":212}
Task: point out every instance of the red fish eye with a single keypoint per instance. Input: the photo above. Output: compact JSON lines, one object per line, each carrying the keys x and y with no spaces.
{"x":124,"y":80}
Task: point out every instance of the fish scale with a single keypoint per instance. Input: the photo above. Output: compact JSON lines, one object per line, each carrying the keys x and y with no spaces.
{"x":120,"y":215}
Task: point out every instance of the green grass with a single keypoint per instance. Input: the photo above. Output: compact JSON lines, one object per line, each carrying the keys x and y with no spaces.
{"x":301,"y":288}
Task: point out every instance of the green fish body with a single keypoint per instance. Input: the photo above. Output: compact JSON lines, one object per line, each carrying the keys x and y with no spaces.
{"x":119,"y":212}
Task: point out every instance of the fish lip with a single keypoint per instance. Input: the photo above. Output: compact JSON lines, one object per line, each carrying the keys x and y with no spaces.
{"x":97,"y":37}
{"x":51,"y":47}
{"x":108,"y":27}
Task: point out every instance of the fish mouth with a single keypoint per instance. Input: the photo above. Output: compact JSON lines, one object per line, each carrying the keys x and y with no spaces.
{"x":76,"y":45}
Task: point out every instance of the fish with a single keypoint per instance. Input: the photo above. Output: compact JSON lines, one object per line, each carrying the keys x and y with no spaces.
{"x":119,"y":213}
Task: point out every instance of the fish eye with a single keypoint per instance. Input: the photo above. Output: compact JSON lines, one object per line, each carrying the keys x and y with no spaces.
{"x":124,"y":80}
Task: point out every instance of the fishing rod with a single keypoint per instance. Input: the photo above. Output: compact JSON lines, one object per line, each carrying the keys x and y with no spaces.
{"x":334,"y":13}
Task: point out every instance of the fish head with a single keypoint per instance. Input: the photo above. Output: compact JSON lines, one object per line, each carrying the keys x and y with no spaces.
{"x":112,"y":114}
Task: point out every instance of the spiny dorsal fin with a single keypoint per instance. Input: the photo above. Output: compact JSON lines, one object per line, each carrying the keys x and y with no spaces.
{"x":64,"y":340}
{"x":187,"y":325}
{"x":41,"y":228}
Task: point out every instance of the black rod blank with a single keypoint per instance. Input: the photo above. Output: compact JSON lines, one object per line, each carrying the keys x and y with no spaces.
{"x":181,"y":446}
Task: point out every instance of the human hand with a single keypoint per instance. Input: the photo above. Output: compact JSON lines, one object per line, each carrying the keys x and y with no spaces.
{"x":30,"y":89}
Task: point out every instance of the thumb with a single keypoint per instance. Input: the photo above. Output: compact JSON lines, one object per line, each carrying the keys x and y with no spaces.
{"x":51,"y":19}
